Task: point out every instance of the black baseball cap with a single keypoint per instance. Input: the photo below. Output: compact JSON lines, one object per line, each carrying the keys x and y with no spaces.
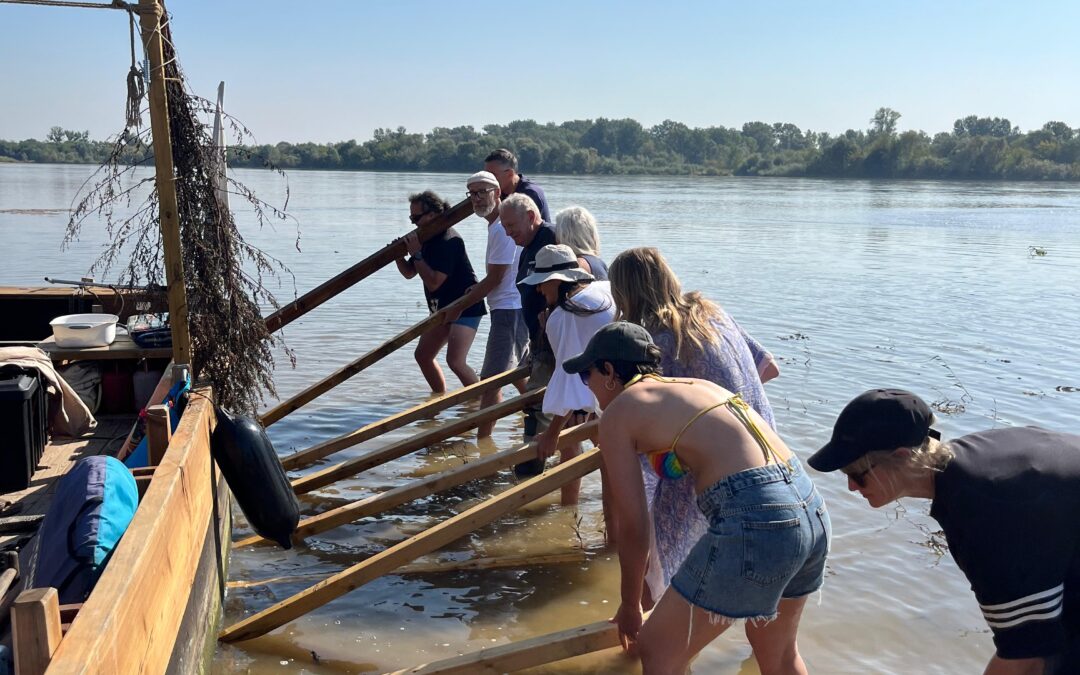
{"x":618,"y":341}
{"x":880,"y":419}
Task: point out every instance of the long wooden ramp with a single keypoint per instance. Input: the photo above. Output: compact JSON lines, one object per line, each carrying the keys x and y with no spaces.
{"x":303,"y":458}
{"x":376,"y":504}
{"x":529,"y":653}
{"x":421,"y":440}
{"x":430,"y":540}
{"x":363,"y":269}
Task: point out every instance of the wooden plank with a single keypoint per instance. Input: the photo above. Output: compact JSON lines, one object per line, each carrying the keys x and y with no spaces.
{"x":303,"y":458}
{"x":36,"y":631}
{"x":150,"y":14}
{"x":421,"y":440}
{"x":441,"y":567}
{"x":121,"y":348}
{"x":394,"y":557}
{"x":478,"y":468}
{"x":131,"y":620}
{"x":523,"y":654}
{"x":369,"y":265}
{"x":158,"y":432}
{"x":374,"y":356}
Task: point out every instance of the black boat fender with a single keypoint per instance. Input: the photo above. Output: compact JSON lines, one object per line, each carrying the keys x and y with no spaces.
{"x":247,"y":459}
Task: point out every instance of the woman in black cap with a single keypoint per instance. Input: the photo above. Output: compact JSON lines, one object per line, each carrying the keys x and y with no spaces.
{"x":768,"y":536}
{"x":1008,"y":501}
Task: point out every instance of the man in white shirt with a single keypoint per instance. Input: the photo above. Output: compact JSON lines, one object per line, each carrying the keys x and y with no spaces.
{"x":508,"y":336}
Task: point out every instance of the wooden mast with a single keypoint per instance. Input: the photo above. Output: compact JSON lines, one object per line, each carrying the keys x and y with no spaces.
{"x":150,"y":13}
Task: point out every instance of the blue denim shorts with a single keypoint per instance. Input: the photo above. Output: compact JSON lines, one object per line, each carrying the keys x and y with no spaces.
{"x":469,"y":321}
{"x":768,"y":538}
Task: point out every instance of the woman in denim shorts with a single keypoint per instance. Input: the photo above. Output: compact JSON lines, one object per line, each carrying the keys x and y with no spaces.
{"x":768,"y":536}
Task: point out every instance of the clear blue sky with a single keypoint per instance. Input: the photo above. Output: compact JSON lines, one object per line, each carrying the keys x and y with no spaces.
{"x":337,"y":69}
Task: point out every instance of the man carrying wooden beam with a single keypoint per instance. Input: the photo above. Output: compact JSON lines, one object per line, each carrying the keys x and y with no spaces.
{"x":508,"y":335}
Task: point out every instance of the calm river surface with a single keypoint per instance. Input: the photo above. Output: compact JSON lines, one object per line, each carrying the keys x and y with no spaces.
{"x":855,"y":284}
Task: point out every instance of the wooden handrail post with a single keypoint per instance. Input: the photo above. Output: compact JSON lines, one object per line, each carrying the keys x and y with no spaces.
{"x":150,"y":13}
{"x":36,"y":631}
{"x":158,"y":432}
{"x":374,"y":262}
{"x":427,"y":541}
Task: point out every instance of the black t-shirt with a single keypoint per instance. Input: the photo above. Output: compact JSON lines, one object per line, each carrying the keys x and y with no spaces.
{"x":532,"y":303}
{"x":446,"y":253}
{"x":526,"y":186}
{"x":1009,"y":504}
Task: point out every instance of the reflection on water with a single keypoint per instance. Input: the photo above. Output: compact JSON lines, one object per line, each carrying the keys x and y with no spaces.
{"x":924,"y":285}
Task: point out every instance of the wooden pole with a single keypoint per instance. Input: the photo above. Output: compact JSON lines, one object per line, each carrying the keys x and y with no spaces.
{"x":535,"y":651}
{"x":36,"y":632}
{"x":384,"y":256}
{"x":430,"y":540}
{"x":441,"y":567}
{"x":374,"y":356}
{"x":376,"y":504}
{"x":150,"y":13}
{"x":316,"y":452}
{"x":158,"y":432}
{"x":314,"y":481}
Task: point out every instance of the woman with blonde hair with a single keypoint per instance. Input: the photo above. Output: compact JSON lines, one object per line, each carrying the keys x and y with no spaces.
{"x":576,"y":227}
{"x":697,"y":339}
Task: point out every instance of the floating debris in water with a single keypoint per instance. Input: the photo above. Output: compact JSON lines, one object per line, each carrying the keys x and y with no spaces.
{"x":1036,"y":251}
{"x":1066,"y":389}
{"x":794,"y":336}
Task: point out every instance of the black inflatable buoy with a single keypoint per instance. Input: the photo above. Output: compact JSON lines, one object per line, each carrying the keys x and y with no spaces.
{"x":247,"y":459}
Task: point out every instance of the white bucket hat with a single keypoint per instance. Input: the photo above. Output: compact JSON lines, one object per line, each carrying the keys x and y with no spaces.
{"x":556,"y":261}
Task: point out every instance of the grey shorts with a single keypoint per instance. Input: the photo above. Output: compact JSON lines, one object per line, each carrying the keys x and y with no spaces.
{"x":506,"y":342}
{"x":542,"y":363}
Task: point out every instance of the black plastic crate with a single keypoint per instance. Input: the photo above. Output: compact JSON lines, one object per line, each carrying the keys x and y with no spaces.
{"x":22,"y":426}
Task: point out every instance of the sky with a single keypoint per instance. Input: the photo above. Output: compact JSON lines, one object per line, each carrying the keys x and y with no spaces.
{"x":335,"y":70}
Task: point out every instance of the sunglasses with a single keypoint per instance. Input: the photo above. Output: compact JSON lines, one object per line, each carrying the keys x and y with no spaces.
{"x":860,"y":476}
{"x":584,"y":375}
{"x":417,"y":218}
{"x":475,"y":194}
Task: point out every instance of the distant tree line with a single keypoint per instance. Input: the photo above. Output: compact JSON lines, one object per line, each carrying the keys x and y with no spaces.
{"x":976,"y":148}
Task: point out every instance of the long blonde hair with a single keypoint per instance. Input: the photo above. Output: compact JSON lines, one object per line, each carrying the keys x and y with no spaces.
{"x":648,"y":293}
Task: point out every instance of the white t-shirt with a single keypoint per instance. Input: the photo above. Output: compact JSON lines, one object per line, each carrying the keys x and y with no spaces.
{"x":569,"y":334}
{"x":501,"y":250}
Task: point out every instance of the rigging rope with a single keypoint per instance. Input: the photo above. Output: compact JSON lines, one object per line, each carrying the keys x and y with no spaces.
{"x":116,"y":4}
{"x":135,"y":84}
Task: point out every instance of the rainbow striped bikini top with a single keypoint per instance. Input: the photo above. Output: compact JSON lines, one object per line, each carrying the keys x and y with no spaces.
{"x":665,"y":463}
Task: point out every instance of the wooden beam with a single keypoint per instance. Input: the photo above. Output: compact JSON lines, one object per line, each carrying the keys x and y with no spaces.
{"x":374,"y":262}
{"x":332,"y":474}
{"x":523,"y":654}
{"x":394,"y":557}
{"x":158,"y":432}
{"x":36,"y":631}
{"x":440,"y":567}
{"x":374,"y":356}
{"x":316,"y":452}
{"x":384,"y":501}
{"x":150,"y":13}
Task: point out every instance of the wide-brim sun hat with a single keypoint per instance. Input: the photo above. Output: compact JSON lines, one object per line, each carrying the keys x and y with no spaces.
{"x":556,"y":261}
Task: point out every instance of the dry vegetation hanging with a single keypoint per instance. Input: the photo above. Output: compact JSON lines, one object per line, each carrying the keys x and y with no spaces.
{"x":225,"y":277}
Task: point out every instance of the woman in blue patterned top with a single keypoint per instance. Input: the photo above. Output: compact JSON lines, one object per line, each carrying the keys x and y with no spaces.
{"x":697,"y":339}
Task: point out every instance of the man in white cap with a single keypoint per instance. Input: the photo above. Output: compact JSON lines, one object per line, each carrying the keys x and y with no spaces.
{"x":508,"y":336}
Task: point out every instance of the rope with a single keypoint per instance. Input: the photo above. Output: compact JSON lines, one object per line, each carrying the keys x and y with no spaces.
{"x":116,"y":4}
{"x":135,"y":83}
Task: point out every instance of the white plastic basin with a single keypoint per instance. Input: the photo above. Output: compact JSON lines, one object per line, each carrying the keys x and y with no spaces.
{"x":75,"y":331}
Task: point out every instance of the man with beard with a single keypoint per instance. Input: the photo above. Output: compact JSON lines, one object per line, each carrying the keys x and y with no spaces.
{"x":508,"y":335}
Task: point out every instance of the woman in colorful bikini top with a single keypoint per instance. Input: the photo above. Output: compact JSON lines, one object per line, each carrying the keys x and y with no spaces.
{"x":764,"y":551}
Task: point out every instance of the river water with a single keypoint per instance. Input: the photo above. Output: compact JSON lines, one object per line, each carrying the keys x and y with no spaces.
{"x":937,"y":287}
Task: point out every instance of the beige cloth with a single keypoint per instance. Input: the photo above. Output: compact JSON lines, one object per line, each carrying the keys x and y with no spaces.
{"x":68,"y":415}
